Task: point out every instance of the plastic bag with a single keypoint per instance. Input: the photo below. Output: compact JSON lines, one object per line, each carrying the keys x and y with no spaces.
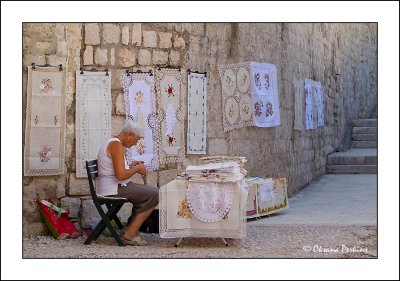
{"x":57,"y":220}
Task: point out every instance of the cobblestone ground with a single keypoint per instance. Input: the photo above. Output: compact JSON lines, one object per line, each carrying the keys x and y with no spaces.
{"x":280,"y":241}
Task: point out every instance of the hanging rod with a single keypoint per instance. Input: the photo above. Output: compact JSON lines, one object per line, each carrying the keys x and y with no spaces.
{"x":46,"y":65}
{"x":94,"y":70}
{"x":170,"y":66}
{"x":205,"y":73}
{"x":138,"y":71}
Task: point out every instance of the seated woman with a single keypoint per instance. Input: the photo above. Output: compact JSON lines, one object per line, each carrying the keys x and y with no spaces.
{"x":114,"y":179}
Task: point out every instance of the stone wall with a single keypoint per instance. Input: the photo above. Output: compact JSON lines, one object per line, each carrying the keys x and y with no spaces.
{"x":342,"y":56}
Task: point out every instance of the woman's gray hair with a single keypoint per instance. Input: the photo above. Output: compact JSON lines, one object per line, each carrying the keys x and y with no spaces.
{"x":132,"y":127}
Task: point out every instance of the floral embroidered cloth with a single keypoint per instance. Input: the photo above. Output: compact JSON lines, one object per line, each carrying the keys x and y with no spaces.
{"x":266,"y":196}
{"x":265,"y":94}
{"x":44,"y":149}
{"x":140,"y":105}
{"x":170,"y":114}
{"x":314,"y":99}
{"x":177,"y":219}
{"x":93,"y":116}
{"x":249,"y":95}
{"x":197,"y":106}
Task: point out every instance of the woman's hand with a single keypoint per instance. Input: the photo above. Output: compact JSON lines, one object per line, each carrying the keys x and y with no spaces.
{"x":134,"y":163}
{"x":141,"y":168}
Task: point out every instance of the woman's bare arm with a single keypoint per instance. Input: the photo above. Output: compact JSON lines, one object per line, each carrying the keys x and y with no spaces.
{"x":116,"y":150}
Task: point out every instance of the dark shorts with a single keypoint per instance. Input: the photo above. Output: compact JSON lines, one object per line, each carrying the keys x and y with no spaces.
{"x":143,"y":197}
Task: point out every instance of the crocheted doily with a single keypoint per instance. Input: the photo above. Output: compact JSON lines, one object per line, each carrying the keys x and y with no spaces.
{"x":210,"y":201}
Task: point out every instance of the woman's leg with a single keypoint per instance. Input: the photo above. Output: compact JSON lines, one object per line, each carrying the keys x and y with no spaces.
{"x":144,"y":200}
{"x":136,"y":223}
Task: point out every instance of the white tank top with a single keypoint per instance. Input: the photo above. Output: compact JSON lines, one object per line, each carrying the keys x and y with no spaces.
{"x":107,"y":182}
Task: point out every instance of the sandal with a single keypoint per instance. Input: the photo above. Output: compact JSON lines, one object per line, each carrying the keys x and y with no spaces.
{"x":136,"y":241}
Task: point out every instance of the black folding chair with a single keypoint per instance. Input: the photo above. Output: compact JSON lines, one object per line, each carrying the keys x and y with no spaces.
{"x":113,"y":204}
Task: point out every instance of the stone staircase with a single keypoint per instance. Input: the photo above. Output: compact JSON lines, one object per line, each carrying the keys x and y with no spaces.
{"x":365,"y":133}
{"x":362,"y":157}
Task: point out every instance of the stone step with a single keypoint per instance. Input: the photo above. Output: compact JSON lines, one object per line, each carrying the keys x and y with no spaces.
{"x":365,"y":137}
{"x":364,"y":144}
{"x":365,"y":130}
{"x":365,"y":123}
{"x":352,"y":160}
{"x":351,"y":169}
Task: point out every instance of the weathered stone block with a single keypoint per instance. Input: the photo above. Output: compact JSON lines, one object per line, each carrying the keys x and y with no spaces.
{"x":100,"y":56}
{"x":116,"y":76}
{"x":149,"y":39}
{"x":174,"y":58}
{"x":111,"y":33}
{"x":59,"y":31}
{"x":62,"y":48}
{"x":73,"y":37}
{"x":92,"y":34}
{"x":125,"y":35}
{"x":37,"y":59}
{"x":88,"y":56}
{"x":73,"y":204}
{"x":112,"y":56}
{"x":126,"y":57}
{"x":34,"y":228}
{"x":44,"y":47}
{"x":144,"y":57}
{"x":56,"y":60}
{"x":78,"y":186}
{"x":61,"y":186}
{"x":198,"y":29}
{"x":160,"y":57}
{"x":165,"y":40}
{"x":120,"y":105}
{"x":194,"y":45}
{"x":137,"y":34}
{"x":179,"y":42}
{"x":30,"y":209}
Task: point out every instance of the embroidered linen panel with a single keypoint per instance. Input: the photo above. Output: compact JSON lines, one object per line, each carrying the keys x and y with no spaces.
{"x":314,"y":116}
{"x":320,"y":104}
{"x":299,"y":105}
{"x":237,"y":109}
{"x":93,"y":116}
{"x":44,"y":149}
{"x":265,"y":96}
{"x":266,"y":196}
{"x":140,"y":106}
{"x":170,"y":115}
{"x":197,"y":106}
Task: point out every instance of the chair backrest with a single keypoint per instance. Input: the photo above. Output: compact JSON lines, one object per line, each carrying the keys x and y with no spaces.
{"x":91,"y":170}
